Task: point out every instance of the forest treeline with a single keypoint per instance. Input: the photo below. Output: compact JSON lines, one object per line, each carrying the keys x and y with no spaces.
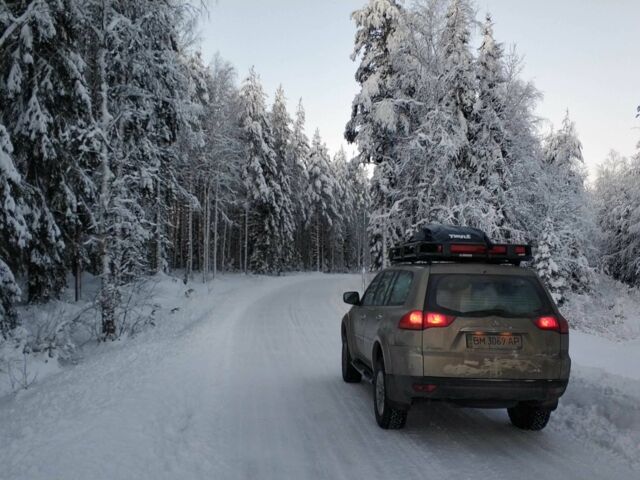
{"x":123,"y":153}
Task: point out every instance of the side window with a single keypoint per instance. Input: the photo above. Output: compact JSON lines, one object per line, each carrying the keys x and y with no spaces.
{"x":400,"y":289}
{"x":383,"y":288}
{"x":367,"y":298}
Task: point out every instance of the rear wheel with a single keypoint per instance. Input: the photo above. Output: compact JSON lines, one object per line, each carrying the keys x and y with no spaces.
{"x":529,"y":417}
{"x":387,"y":416}
{"x":349,"y":373}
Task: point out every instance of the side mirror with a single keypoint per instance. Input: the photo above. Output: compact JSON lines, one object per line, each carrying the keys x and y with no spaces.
{"x":352,"y":298}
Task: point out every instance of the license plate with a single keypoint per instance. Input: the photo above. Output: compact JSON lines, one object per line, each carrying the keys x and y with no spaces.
{"x":498,"y":342}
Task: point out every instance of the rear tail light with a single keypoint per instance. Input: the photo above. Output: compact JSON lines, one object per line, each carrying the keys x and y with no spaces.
{"x":433,"y":319}
{"x":417,"y":320}
{"x":520,"y":250}
{"x":498,"y":250}
{"x":553,"y":323}
{"x":411,"y":321}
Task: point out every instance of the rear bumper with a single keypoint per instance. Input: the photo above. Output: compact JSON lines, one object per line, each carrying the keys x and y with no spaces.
{"x":488,"y":393}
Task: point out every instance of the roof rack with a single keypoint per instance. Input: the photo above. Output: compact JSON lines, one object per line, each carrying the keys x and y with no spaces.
{"x":444,"y":243}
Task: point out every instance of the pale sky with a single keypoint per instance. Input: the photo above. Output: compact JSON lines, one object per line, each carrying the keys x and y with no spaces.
{"x":584,"y":55}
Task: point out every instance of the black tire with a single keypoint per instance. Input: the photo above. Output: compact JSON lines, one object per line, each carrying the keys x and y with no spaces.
{"x":528,"y":417}
{"x":387,"y":416}
{"x":349,"y":373}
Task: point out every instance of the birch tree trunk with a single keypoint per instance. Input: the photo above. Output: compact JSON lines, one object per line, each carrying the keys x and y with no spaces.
{"x":318,"y":243}
{"x":215,"y":228}
{"x":189,"y":266}
{"x":246,"y":239}
{"x":205,"y":235}
{"x":107,"y":288}
{"x":223,"y":249}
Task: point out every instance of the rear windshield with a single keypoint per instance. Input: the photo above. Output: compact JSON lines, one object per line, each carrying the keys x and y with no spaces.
{"x":478,"y":295}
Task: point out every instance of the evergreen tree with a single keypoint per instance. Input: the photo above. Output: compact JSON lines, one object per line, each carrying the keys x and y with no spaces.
{"x":566,"y":207}
{"x":323,"y":209}
{"x":297,"y":157}
{"x":264,"y":193}
{"x":14,"y":234}
{"x":50,"y":123}
{"x":282,"y":138}
{"x":489,"y":145}
{"x":618,"y":216}
{"x":549,"y":271}
{"x":376,"y":119}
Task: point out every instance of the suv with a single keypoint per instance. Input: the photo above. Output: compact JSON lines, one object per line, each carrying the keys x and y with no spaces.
{"x":458,"y":322}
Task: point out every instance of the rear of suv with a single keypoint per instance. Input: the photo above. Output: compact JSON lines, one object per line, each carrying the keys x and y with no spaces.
{"x":472,"y":328}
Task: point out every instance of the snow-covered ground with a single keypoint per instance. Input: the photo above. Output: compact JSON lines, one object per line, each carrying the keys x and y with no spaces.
{"x":243,"y":382}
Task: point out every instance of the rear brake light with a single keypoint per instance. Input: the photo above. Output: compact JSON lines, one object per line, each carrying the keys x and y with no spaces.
{"x":498,"y":250}
{"x":520,"y":250}
{"x":434,"y":320}
{"x":417,"y":320}
{"x":468,"y":248}
{"x":411,"y":321}
{"x":549,"y":322}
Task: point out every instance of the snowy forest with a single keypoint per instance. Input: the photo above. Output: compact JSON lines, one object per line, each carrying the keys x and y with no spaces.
{"x":124,"y":154}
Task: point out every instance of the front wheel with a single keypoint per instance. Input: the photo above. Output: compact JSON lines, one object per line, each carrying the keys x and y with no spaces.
{"x":528,"y":417}
{"x":387,"y":416}
{"x":349,"y":373}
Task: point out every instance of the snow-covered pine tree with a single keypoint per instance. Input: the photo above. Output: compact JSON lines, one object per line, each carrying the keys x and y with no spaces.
{"x":297,"y":163}
{"x":49,"y":122}
{"x":449,"y":170}
{"x":548,"y":270}
{"x":14,"y":234}
{"x":321,"y":192}
{"x":344,"y":198}
{"x":527,"y":194}
{"x":376,"y":119}
{"x":489,"y":209}
{"x":567,"y":207}
{"x":618,"y":216}
{"x":261,"y":180}
{"x":282,"y":138}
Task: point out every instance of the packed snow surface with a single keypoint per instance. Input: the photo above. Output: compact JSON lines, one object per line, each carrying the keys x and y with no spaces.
{"x":243,"y":382}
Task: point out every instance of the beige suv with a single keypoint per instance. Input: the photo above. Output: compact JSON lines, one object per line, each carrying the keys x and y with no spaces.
{"x":457,"y":327}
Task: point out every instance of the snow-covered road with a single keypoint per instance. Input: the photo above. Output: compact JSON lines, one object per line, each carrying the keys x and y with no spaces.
{"x":250,"y":388}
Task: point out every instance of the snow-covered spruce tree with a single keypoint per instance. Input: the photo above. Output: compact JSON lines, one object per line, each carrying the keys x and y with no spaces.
{"x":358,"y":218}
{"x":321,"y":192}
{"x":449,"y":171}
{"x":297,"y":156}
{"x":549,"y":271}
{"x":527,"y":195}
{"x":14,"y":234}
{"x":489,"y":206}
{"x":282,"y":137}
{"x":376,"y":117}
{"x":50,"y":124}
{"x":567,"y":208}
{"x":618,"y":216}
{"x":338,"y":241}
{"x":261,"y":181}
